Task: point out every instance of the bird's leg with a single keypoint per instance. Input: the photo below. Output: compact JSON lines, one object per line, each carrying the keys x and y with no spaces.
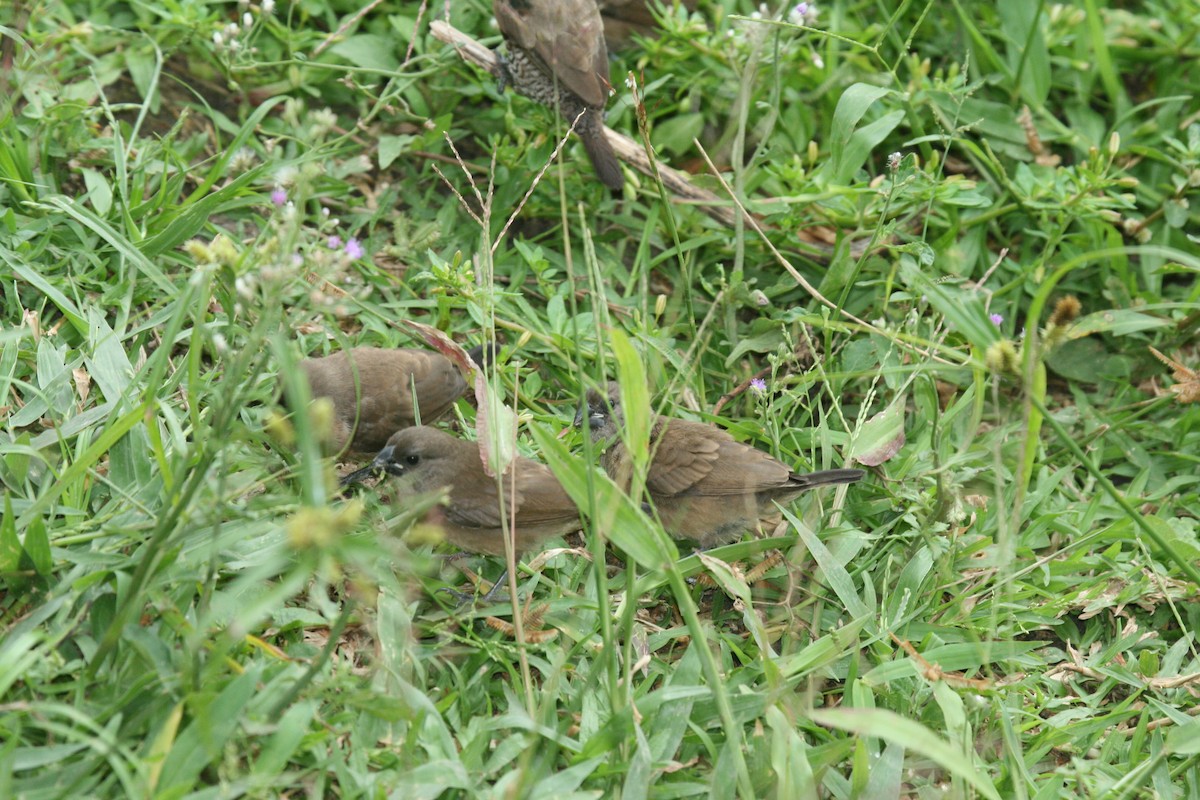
{"x":504,"y":76}
{"x":493,"y":595}
{"x":490,"y":596}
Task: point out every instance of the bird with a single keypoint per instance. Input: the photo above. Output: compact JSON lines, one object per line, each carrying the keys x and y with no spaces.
{"x":704,"y":485}
{"x":557,"y":57}
{"x":623,"y":18}
{"x":377,"y":391}
{"x":424,"y":459}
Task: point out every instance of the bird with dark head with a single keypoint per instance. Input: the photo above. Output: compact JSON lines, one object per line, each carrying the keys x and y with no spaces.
{"x":424,"y":460}
{"x":377,"y":391}
{"x":557,"y":57}
{"x":705,"y":485}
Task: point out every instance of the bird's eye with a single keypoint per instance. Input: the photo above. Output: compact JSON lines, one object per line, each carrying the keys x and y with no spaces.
{"x":412,"y":459}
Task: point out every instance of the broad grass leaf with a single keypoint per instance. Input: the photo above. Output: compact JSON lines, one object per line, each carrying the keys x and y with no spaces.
{"x":882,"y":436}
{"x":850,"y":145}
{"x":208,"y":733}
{"x":635,"y":404}
{"x":916,"y":738}
{"x":789,"y":759}
{"x":835,"y":574}
{"x":615,"y":514}
{"x":962,"y":309}
{"x":108,"y":364}
{"x":1117,"y":322}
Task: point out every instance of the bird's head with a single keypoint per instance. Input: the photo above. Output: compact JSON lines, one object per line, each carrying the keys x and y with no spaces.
{"x":601,"y":413}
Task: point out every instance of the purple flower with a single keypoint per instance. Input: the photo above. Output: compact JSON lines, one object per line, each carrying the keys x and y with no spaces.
{"x":353,"y":248}
{"x":278,"y":197}
{"x":335,"y":242}
{"x":758,"y":385}
{"x":803,"y":13}
{"x":997,"y":319}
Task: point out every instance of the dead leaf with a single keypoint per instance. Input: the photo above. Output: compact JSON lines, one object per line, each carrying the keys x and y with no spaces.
{"x":1033,"y":141}
{"x":83,"y":383}
{"x":1187,"y":380}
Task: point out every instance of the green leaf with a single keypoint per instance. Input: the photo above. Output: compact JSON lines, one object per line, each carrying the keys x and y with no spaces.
{"x":1022,"y":26}
{"x":37,"y":547}
{"x":390,"y":148}
{"x":209,"y":733}
{"x":369,"y":51}
{"x":789,"y":759}
{"x":674,"y":134}
{"x":99,"y":193}
{"x":39,"y":282}
{"x":963,"y":310}
{"x":1117,"y":322}
{"x":835,"y":574}
{"x":10,"y":544}
{"x":108,"y":365}
{"x":1185,"y":739}
{"x":635,"y":406}
{"x":882,"y":436}
{"x":849,"y":146}
{"x":616,"y":515}
{"x":892,"y":727}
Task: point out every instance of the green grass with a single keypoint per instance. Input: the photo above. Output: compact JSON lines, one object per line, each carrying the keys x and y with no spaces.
{"x":1005,"y":607}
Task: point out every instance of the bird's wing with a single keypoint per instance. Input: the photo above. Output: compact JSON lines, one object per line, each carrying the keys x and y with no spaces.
{"x":542,"y":499}
{"x":568,"y":36}
{"x":476,"y":504}
{"x":538,"y":499}
{"x":697,"y":459}
{"x":685,"y":454}
{"x":743,"y":470}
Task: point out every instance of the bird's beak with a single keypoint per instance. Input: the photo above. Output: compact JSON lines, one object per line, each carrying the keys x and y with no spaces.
{"x":580,"y":416}
{"x":383,"y":460}
{"x":380,"y":463}
{"x":358,"y":474}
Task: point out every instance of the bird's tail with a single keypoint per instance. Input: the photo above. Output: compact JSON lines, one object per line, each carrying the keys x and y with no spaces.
{"x":604,"y":160}
{"x":827,"y":478}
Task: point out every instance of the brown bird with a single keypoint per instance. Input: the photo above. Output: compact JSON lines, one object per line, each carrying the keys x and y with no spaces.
{"x":377,"y":391}
{"x":557,"y":57}
{"x":705,"y":485}
{"x":429,"y":460}
{"x":623,"y":18}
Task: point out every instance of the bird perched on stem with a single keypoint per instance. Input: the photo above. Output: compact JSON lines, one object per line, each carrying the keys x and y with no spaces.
{"x":557,"y":57}
{"x":528,"y":500}
{"x":377,"y":391}
{"x":704,"y":485}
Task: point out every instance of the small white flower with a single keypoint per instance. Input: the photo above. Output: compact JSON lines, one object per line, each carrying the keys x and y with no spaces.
{"x":244,"y":286}
{"x":247,"y":20}
{"x":268,"y":7}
